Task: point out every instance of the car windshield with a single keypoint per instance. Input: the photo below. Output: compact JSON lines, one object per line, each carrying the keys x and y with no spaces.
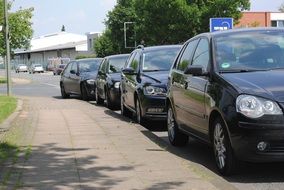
{"x":250,"y":51}
{"x":116,"y":63}
{"x":89,"y":65}
{"x":159,"y":60}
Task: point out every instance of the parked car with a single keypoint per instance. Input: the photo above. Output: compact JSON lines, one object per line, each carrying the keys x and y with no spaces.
{"x":108,"y":80}
{"x":144,"y":82}
{"x":79,"y":77}
{"x":226,"y":88}
{"x":21,"y":68}
{"x":58,"y":70}
{"x":36,"y":68}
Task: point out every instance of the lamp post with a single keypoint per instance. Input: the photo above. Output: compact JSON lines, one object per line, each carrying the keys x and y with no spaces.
{"x":7,"y":57}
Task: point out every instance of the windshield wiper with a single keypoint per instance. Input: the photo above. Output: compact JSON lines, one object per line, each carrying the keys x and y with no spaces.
{"x":241,"y":70}
{"x":153,"y":70}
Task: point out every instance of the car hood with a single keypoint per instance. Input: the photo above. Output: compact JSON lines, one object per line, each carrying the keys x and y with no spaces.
{"x":160,"y":77}
{"x":268,"y":84}
{"x":89,"y":75}
{"x":115,"y":76}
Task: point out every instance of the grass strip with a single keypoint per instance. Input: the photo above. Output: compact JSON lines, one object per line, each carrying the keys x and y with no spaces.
{"x":2,"y":80}
{"x":7,"y":106}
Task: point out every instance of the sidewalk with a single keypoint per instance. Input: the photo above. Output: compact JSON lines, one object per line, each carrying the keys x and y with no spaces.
{"x":77,"y":145}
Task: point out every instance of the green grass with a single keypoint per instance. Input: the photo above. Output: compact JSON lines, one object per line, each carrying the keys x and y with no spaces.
{"x":7,"y":106}
{"x":2,"y":80}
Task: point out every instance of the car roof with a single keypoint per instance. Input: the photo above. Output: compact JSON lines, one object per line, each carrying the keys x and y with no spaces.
{"x":239,"y":30}
{"x":117,"y":55}
{"x":161,"y":47}
{"x":89,"y":59}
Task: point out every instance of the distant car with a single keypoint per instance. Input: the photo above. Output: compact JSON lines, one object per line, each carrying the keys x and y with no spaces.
{"x":78,"y":78}
{"x":58,"y":70}
{"x":21,"y":68}
{"x":108,"y":80}
{"x":144,"y":82}
{"x":36,"y":68}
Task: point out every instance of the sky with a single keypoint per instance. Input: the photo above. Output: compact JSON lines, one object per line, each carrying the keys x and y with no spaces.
{"x":82,"y":16}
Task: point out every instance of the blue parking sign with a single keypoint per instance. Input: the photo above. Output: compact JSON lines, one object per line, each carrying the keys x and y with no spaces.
{"x":219,"y":24}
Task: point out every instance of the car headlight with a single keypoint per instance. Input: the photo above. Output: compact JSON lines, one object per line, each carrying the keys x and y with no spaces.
{"x":116,"y":84}
{"x":91,"y":81}
{"x":255,"y":107}
{"x":153,"y":90}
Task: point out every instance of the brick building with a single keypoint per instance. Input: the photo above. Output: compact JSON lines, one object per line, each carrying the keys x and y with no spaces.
{"x":261,"y":19}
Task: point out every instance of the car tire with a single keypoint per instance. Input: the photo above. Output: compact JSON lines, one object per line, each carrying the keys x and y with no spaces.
{"x":138,"y":114}
{"x":176,"y":137}
{"x":84,"y":93}
{"x":225,"y":159}
{"x":63,"y":92}
{"x":99,"y":100}
{"x":124,"y":111}
{"x":109,"y":104}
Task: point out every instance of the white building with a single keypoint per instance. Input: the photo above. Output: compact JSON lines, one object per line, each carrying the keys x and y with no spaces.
{"x":53,"y":49}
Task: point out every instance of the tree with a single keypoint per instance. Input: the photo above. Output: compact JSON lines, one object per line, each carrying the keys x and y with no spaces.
{"x":104,"y":45}
{"x":281,"y":8}
{"x":63,"y":28}
{"x":20,"y":26}
{"x":167,"y":21}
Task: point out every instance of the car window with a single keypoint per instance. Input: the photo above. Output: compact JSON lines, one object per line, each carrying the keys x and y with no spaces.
{"x":68,"y":68}
{"x":201,"y":55}
{"x":249,"y":51}
{"x":135,"y":62}
{"x":159,"y":60}
{"x":103,"y":66}
{"x":116,"y":64}
{"x":74,"y":67}
{"x":186,"y":57}
{"x":131,"y":57}
{"x":89,"y":65}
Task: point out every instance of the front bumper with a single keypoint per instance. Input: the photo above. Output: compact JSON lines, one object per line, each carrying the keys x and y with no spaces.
{"x":245,"y":142}
{"x":114,"y":94}
{"x":154,"y":107}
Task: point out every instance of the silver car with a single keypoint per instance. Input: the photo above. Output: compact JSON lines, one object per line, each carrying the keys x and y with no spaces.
{"x":21,"y":68}
{"x":36,"y":68}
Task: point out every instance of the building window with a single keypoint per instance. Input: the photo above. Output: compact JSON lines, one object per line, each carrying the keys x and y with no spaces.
{"x":274,"y":23}
{"x":277,"y":23}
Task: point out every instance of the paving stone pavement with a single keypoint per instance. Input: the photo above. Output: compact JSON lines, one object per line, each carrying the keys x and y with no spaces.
{"x":77,"y":145}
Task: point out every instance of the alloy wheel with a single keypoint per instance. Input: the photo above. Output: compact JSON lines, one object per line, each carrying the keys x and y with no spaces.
{"x":171,"y":124}
{"x":220,"y":147}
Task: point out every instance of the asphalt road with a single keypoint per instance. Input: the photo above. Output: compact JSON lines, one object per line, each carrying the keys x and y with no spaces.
{"x":250,"y":176}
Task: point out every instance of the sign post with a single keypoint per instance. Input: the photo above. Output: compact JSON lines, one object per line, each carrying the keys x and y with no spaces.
{"x":8,"y":66}
{"x":219,"y":24}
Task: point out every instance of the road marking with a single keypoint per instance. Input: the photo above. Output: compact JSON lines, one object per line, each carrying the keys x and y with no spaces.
{"x":53,"y":85}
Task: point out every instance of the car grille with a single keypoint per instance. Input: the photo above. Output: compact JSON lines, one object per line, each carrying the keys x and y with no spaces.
{"x":276,"y":147}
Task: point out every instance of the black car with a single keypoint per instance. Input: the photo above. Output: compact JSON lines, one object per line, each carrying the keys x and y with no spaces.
{"x":226,"y":88}
{"x":144,"y":82}
{"x":108,"y":80}
{"x":79,"y":77}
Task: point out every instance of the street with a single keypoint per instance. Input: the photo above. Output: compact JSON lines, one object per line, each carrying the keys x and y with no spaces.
{"x":44,"y":88}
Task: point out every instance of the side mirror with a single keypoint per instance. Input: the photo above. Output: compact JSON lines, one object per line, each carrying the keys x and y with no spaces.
{"x":128,"y":71}
{"x":195,"y":70}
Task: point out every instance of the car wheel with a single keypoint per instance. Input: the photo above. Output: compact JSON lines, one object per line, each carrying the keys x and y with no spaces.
{"x":224,"y":157}
{"x":176,"y":137}
{"x":109,"y":104}
{"x":84,"y":93}
{"x":139,"y":118}
{"x":99,"y":100}
{"x":63,"y":93}
{"x":124,"y":111}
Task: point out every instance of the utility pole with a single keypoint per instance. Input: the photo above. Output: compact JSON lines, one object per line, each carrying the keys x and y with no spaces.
{"x":7,"y":57}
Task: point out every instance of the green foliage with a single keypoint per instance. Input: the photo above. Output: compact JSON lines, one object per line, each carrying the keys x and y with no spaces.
{"x":86,"y":56}
{"x":164,"y":21}
{"x":104,"y":46}
{"x":7,"y":106}
{"x":2,"y":80}
{"x":281,"y":8}
{"x":20,"y":26}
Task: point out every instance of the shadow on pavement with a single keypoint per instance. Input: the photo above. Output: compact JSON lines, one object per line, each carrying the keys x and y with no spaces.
{"x":200,"y":153}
